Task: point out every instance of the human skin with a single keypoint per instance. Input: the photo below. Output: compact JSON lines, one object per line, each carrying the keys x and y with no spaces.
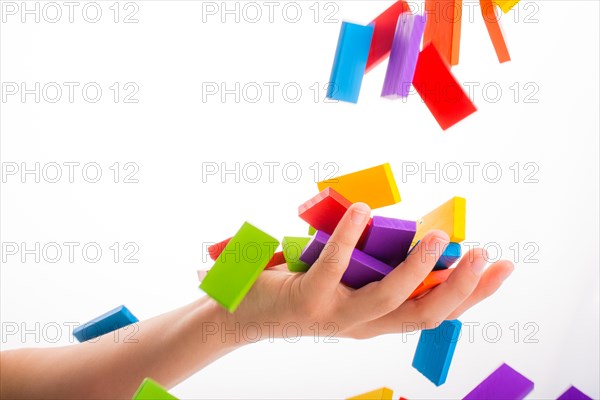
{"x":173,"y":346}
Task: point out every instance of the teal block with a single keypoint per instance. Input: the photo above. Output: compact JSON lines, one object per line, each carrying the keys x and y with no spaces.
{"x":238,"y":266}
{"x":435,"y":350}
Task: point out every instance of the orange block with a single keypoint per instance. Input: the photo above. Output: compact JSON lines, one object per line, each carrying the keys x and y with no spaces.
{"x":488,"y":10}
{"x":432,"y":280}
{"x":442,"y":28}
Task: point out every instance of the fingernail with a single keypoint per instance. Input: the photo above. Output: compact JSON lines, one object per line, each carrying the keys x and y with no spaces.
{"x":359,"y":214}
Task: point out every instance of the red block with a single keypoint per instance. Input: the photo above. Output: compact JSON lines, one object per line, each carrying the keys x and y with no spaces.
{"x":277,"y":259}
{"x":440,"y":91}
{"x":325,"y":210}
{"x":432,"y":280}
{"x":383,"y":34}
{"x":216,"y":249}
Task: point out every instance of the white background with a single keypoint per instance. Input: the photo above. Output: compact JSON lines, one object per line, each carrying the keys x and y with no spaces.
{"x":171,"y":51}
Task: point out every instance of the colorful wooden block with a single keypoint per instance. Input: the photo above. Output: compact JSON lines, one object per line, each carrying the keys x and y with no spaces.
{"x":494,"y":30}
{"x":435,"y":351}
{"x":506,"y":5}
{"x":503,"y":383}
{"x":403,"y":58}
{"x":362,"y":269}
{"x":573,"y":393}
{"x":375,"y":186}
{"x":325,"y":210}
{"x":443,"y":28}
{"x":108,"y":322}
{"x":311,"y":230}
{"x":152,"y":390}
{"x":440,"y":91}
{"x":379,"y":394}
{"x":450,"y":217}
{"x":292,"y":250}
{"x":238,"y":266}
{"x":451,"y":254}
{"x":216,"y":249}
{"x":389,"y":239}
{"x":350,"y":62}
{"x":432,"y":280}
{"x":383,"y":33}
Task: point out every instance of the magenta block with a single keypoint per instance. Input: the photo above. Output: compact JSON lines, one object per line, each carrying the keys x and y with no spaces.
{"x":389,"y":239}
{"x":404,"y":54}
{"x":362,"y":269}
{"x":503,"y":383}
{"x":574,"y":394}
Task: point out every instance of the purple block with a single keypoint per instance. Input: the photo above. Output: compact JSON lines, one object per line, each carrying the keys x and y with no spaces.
{"x":404,"y":54}
{"x":362,"y":269}
{"x":389,"y":239}
{"x":574,"y":394}
{"x":503,"y":383}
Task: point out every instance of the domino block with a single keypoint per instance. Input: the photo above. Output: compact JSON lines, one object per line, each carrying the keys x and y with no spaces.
{"x":506,"y":5}
{"x":503,"y":383}
{"x":440,"y":91}
{"x":383,"y":33}
{"x":325,"y":210}
{"x":450,"y":255}
{"x":375,"y":186}
{"x":239,"y":265}
{"x":443,"y":28}
{"x":573,"y":393}
{"x":389,"y":239}
{"x":152,"y":390}
{"x":216,"y":249}
{"x":292,"y":250}
{"x":494,"y":30}
{"x":450,"y":217}
{"x":108,"y":322}
{"x":362,"y":269}
{"x":435,"y":351}
{"x":311,"y":230}
{"x":432,"y":280}
{"x":403,"y":58}
{"x":350,"y":62}
{"x":379,"y":394}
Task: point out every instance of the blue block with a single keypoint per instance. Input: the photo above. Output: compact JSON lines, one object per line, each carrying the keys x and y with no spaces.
{"x":449,"y":256}
{"x":350,"y":62}
{"x":435,"y":350}
{"x":111,"y":321}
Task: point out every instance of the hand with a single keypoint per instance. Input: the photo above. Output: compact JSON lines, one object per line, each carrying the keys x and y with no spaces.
{"x":279,"y":297}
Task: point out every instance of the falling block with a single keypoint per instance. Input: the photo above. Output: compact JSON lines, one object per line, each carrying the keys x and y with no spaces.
{"x":292,"y":250}
{"x":433,"y":279}
{"x":435,"y":350}
{"x":216,"y":249}
{"x":403,"y":58}
{"x":379,"y":394}
{"x":325,"y":210}
{"x":375,"y":186}
{"x":238,"y":266}
{"x":450,"y":217}
{"x":506,"y":5}
{"x":573,"y":393}
{"x":494,"y":30}
{"x":383,"y":33}
{"x":450,"y":255}
{"x":443,"y":28}
{"x":152,"y":390}
{"x":440,"y":91}
{"x":389,"y":239}
{"x":503,"y":383}
{"x":108,"y":322}
{"x":362,"y":269}
{"x":350,"y":62}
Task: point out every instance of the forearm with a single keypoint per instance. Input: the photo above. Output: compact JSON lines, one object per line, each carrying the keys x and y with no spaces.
{"x":168,"y":348}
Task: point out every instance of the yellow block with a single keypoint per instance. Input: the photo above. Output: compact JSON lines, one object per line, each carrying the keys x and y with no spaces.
{"x":506,"y":5}
{"x":375,"y":186}
{"x":379,"y":394}
{"x":450,"y":217}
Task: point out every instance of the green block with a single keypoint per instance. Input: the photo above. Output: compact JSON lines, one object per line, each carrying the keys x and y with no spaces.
{"x":238,"y":266}
{"x":311,"y":231}
{"x":151,"y":390}
{"x":292,"y":250}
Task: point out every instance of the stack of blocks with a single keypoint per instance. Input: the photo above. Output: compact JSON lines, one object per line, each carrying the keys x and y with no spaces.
{"x":398,"y":33}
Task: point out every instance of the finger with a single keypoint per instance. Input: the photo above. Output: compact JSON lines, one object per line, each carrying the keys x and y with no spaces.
{"x":490,"y":281}
{"x":323,"y":278}
{"x":380,"y":298}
